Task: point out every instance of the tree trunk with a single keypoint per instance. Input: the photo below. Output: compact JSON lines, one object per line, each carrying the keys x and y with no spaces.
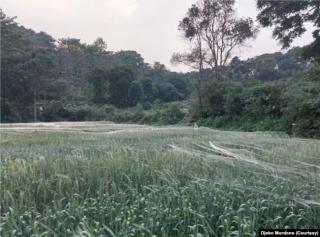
{"x":199,"y":87}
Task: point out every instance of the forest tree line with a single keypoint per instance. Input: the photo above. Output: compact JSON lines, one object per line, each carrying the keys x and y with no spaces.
{"x":44,"y":79}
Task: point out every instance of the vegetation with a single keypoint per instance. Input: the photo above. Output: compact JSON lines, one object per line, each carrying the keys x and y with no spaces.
{"x":100,"y":179}
{"x":241,"y":95}
{"x":214,"y":32}
{"x":105,"y":179}
{"x":290,"y":105}
{"x":289,"y":19}
{"x":43,"y":79}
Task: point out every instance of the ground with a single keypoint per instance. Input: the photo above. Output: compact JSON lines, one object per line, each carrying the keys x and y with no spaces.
{"x":105,"y":179}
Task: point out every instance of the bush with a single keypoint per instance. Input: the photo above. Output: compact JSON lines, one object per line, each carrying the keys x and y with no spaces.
{"x":9,"y":112}
{"x":302,"y":111}
{"x":173,"y":114}
{"x":152,"y":117}
{"x":56,"y":111}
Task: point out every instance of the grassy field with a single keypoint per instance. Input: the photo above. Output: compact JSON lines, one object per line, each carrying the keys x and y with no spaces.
{"x":103,"y":179}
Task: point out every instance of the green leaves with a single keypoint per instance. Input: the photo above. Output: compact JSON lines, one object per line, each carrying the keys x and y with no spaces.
{"x":88,"y":181}
{"x":289,"y":19}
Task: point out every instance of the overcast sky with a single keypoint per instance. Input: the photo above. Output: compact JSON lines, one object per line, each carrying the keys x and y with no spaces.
{"x":147,"y":26}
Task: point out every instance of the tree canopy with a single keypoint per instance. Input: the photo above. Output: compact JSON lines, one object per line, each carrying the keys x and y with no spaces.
{"x":289,"y":19}
{"x":47,"y":79}
{"x":214,"y":31}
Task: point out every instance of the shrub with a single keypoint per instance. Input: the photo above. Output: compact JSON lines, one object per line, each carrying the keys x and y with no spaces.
{"x":173,"y":114}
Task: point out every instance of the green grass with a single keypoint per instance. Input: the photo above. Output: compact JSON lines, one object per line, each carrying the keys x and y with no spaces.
{"x":100,"y":179}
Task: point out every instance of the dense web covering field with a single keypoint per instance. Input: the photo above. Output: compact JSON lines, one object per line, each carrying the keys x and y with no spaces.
{"x":104,"y":179}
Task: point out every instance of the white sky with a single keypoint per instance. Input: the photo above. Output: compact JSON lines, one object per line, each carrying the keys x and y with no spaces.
{"x":147,"y":26}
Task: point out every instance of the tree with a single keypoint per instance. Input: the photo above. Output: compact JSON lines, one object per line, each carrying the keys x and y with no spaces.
{"x":148,"y":89}
{"x":38,"y":72}
{"x":71,"y":54}
{"x":167,"y":92}
{"x":290,"y":18}
{"x":195,"y":58}
{"x":120,"y":82}
{"x":173,"y":114}
{"x":130,"y":59}
{"x":159,"y":66}
{"x":239,"y":70}
{"x":99,"y":80}
{"x":26,"y":70}
{"x":214,"y":31}
{"x":302,"y":100}
{"x":135,"y":93}
{"x":65,"y":76}
{"x":100,"y":44}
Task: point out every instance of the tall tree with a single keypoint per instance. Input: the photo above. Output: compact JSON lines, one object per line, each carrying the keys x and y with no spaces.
{"x":26,"y":69}
{"x":213,"y":32}
{"x":148,"y":89}
{"x":290,"y":18}
{"x":195,"y":58}
{"x":99,"y":43}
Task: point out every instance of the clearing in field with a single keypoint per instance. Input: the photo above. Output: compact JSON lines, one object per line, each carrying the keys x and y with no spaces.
{"x":105,"y":179}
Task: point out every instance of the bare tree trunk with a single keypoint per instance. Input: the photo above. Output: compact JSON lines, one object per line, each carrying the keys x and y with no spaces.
{"x":201,"y":60}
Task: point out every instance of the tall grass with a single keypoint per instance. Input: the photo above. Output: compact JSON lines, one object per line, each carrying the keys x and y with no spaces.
{"x":110,"y":180}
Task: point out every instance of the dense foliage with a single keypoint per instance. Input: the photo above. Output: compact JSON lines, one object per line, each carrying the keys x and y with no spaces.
{"x":43,"y":79}
{"x":289,"y":19}
{"x":291,"y":105}
{"x":264,"y":93}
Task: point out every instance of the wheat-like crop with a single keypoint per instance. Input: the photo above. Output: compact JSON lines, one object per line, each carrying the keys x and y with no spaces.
{"x":105,"y":179}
